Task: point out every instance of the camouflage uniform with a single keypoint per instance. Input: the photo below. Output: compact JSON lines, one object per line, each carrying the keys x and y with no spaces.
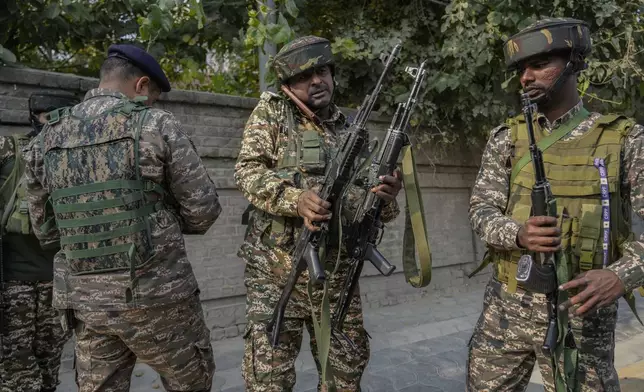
{"x":32,"y":336}
{"x":508,"y":337}
{"x":273,"y":187}
{"x":148,"y":308}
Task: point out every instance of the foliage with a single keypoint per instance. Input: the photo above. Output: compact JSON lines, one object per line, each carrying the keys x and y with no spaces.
{"x":73,"y":36}
{"x":212,"y":45}
{"x":468,"y":91}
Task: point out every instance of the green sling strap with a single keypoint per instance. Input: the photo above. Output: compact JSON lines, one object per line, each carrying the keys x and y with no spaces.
{"x":322,"y":328}
{"x":551,"y":139}
{"x":418,"y":275}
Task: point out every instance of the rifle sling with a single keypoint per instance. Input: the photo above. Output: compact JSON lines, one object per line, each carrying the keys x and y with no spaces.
{"x":418,"y":274}
{"x":551,"y":139}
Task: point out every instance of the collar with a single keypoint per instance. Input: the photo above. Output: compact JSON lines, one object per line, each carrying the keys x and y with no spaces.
{"x":337,"y":118}
{"x":543,"y":121}
{"x":103,"y":92}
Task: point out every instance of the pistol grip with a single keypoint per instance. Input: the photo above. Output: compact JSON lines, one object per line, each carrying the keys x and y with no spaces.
{"x":316,"y":272}
{"x":378,"y":260}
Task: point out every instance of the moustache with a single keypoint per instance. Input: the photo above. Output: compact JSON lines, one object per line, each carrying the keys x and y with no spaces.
{"x":533,"y":88}
{"x":318,"y":90}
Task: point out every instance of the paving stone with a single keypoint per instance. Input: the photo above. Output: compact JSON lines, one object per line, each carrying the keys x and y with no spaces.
{"x":400,"y":376}
{"x":375,"y":383}
{"x":402,"y":357}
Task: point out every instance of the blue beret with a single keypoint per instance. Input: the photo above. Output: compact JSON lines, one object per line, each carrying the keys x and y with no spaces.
{"x":143,"y":60}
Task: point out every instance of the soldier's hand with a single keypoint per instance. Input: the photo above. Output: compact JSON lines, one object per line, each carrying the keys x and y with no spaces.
{"x":603,"y":287}
{"x":389,"y":186}
{"x":540,"y":234}
{"x":313,"y":209}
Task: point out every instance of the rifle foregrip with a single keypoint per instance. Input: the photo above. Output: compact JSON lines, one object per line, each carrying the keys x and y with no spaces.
{"x":539,"y":207}
{"x":378,"y":260}
{"x":316,"y":272}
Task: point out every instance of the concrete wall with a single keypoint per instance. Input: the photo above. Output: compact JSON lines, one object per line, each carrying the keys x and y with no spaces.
{"x":215,"y":123}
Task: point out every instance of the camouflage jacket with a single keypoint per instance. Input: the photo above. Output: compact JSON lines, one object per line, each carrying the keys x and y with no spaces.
{"x":490,"y":193}
{"x":168,"y":158}
{"x":274,"y":192}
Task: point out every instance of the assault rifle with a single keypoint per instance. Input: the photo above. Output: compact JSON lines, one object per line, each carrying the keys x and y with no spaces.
{"x":365,"y":230}
{"x":336,"y":178}
{"x":541,"y":276}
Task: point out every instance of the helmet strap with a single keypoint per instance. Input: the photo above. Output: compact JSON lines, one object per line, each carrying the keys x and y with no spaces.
{"x":571,"y":67}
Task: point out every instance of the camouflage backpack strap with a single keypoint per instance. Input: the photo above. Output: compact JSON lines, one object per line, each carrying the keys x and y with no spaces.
{"x":14,"y":217}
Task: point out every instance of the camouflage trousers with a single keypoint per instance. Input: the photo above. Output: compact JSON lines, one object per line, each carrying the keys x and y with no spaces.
{"x":174,"y":340}
{"x":509,"y":334}
{"x":32,"y":338}
{"x":268,"y":369}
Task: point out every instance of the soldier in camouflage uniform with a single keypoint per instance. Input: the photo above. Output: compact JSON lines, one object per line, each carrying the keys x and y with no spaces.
{"x":32,"y":336}
{"x":279,"y":170}
{"x":508,"y":337}
{"x":118,"y":183}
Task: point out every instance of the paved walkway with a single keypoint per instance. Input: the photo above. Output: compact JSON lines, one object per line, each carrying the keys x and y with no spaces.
{"x":411,"y":350}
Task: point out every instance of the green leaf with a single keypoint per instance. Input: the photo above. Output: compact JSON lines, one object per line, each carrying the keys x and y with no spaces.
{"x":495,"y":18}
{"x":283,"y":34}
{"x":291,"y":8}
{"x":52,"y":11}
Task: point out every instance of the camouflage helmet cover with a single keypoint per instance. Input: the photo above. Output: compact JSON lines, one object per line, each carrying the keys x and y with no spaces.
{"x":545,"y":36}
{"x":302,"y":54}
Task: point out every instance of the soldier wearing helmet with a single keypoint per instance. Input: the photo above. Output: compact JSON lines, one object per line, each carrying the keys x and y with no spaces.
{"x":32,"y":336}
{"x":594,"y":164}
{"x":287,"y":142}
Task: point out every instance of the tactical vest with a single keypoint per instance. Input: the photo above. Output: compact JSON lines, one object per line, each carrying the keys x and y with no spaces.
{"x":575,"y":183}
{"x":100,"y":204}
{"x":13,"y":195}
{"x":304,"y":151}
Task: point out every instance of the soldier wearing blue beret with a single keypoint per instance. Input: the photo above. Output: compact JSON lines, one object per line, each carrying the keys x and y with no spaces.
{"x":116,"y":183}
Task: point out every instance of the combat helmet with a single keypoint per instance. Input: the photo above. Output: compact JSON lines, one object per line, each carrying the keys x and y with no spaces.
{"x":547,"y":36}
{"x":302,"y":54}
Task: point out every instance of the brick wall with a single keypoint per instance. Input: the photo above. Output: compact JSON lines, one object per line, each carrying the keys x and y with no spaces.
{"x":215,"y":123}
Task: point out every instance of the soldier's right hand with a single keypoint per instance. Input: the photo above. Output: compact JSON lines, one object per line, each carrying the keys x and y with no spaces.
{"x":540,"y":234}
{"x":313,"y":209}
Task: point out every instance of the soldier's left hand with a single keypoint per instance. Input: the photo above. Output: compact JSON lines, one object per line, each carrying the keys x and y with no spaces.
{"x":603,"y":287}
{"x":389,"y":186}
